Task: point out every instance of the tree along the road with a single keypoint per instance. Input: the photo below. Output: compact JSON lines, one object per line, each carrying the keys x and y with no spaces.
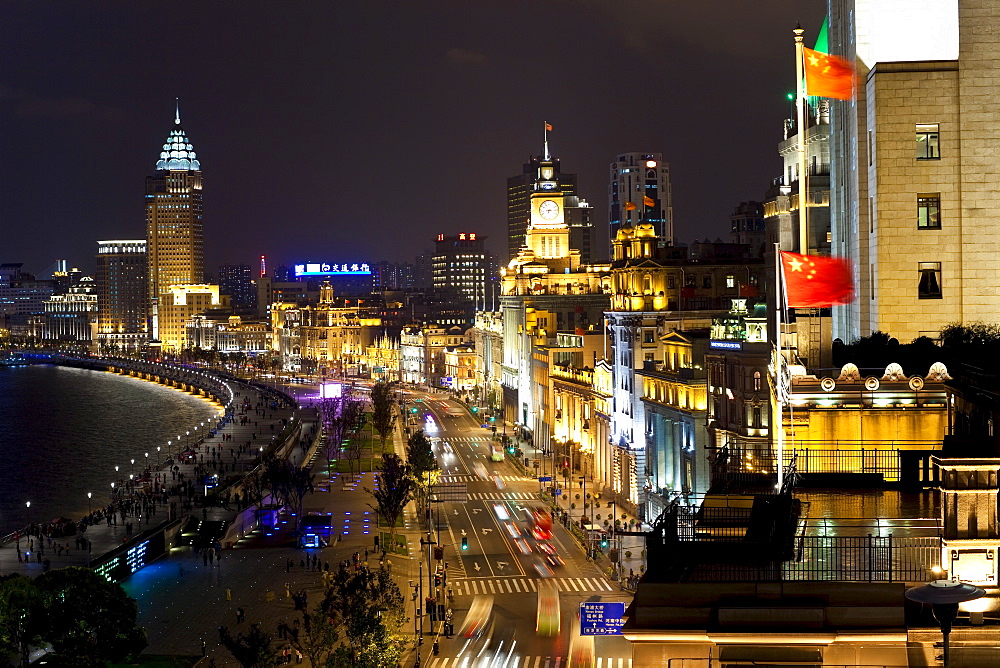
{"x":355,"y":444}
{"x":396,"y":485}
{"x":22,"y":617}
{"x":87,"y":619}
{"x":256,"y":484}
{"x":422,"y":461}
{"x":339,"y":417}
{"x":371,"y":610}
{"x":289,"y":484}
{"x":383,"y":411}
{"x":318,"y":638}
{"x":252,"y":649}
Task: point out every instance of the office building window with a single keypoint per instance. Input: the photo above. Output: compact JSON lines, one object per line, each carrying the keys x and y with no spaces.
{"x":929,"y":211}
{"x":730,"y":281}
{"x":929,"y":286}
{"x":928,"y":147}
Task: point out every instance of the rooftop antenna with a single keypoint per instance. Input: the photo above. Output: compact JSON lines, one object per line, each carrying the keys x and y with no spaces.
{"x":177,"y":115}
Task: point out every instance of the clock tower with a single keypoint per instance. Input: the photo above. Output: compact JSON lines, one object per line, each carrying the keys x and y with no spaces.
{"x":547,"y":235}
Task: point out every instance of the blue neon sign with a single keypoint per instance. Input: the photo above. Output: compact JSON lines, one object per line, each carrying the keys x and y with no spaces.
{"x":323,"y":269}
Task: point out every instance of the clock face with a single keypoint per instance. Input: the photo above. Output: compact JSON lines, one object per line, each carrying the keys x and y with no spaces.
{"x":548,"y":209}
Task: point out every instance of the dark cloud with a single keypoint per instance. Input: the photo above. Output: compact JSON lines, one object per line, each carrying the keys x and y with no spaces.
{"x":465,"y":56}
{"x":26,"y":103}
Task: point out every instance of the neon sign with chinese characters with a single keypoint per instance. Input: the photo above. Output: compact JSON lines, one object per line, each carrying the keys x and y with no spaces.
{"x":321,"y":269}
{"x":464,"y":236}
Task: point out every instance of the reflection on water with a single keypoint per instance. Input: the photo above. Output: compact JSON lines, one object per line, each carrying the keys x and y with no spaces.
{"x":62,"y":431}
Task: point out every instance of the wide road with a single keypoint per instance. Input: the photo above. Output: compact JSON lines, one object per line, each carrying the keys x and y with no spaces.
{"x":503,"y":559}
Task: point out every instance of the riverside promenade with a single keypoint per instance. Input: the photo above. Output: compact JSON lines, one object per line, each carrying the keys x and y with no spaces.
{"x":182,"y":600}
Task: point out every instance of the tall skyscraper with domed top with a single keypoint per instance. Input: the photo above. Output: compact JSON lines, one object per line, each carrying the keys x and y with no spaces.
{"x":175,"y":243}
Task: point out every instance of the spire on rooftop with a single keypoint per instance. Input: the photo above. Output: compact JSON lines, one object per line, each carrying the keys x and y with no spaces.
{"x":178,"y":153}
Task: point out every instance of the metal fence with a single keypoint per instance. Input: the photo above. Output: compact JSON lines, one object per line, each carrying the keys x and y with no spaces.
{"x":813,"y":460}
{"x":837,"y":558}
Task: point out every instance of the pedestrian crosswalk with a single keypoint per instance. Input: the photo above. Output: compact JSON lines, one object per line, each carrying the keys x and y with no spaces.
{"x":536,"y":662}
{"x":477,"y":586}
{"x":472,"y":478}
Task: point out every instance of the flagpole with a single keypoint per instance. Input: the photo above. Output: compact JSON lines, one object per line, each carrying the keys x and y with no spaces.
{"x":779,"y":421}
{"x":545,"y":138}
{"x":800,"y":124}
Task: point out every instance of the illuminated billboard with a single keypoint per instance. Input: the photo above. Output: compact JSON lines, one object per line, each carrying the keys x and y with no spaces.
{"x":325,"y":269}
{"x":331,"y":390}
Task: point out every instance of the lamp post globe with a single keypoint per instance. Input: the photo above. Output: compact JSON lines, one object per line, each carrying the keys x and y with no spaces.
{"x":27,"y":507}
{"x":89,"y":509}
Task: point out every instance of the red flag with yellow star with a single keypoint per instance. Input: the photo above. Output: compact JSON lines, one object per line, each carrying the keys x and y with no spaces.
{"x":813,"y":281}
{"x":828,"y":76}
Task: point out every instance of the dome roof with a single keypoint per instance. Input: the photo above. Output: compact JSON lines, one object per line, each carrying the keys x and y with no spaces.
{"x":624,"y":233}
{"x":645,"y":230}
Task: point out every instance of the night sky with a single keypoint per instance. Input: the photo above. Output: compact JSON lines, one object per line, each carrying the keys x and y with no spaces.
{"x":357,"y":131}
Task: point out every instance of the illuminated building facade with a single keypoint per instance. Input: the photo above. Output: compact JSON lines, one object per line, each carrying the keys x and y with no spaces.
{"x":421,"y":353}
{"x":122,"y":283}
{"x":72,"y":316}
{"x":174,"y":239}
{"x":546,"y":289}
{"x":656,"y":289}
{"x":178,"y":305}
{"x":334,"y":334}
{"x":460,"y":369}
{"x":487,"y":337}
{"x":672,"y":390}
{"x":913,"y":168}
{"x":634,"y":177}
{"x":579,"y":381}
{"x":382,"y":357}
{"x":781,"y":204}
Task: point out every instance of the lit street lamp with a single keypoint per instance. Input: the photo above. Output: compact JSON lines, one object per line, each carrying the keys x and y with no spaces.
{"x":944,"y":597}
{"x":132,"y":469}
{"x":27,"y":506}
{"x":89,"y":508}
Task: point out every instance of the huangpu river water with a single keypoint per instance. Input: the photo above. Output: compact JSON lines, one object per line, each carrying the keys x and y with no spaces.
{"x":63,"y":430}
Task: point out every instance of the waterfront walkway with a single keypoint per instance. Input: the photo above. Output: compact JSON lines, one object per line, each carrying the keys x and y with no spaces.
{"x":101,"y":538}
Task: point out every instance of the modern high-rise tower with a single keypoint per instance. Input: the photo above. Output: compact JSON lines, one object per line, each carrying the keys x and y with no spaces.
{"x":173,"y":219}
{"x":122,"y":294}
{"x":639,"y":191}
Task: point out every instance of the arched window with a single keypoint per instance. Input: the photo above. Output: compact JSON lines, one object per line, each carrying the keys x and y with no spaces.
{"x":756,"y":381}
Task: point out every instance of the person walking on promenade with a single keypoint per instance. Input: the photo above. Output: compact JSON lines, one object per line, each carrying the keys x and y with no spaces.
{"x":240,"y":615}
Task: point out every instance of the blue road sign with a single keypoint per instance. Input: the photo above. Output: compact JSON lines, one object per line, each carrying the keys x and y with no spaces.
{"x":558,"y":492}
{"x":545,"y":478}
{"x":601,"y":618}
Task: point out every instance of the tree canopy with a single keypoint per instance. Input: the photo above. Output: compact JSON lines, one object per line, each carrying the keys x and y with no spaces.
{"x":395,"y":489}
{"x":86,"y":619}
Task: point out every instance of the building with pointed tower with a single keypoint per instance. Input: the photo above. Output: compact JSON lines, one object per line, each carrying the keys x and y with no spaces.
{"x":174,"y":239}
{"x":546,"y":290}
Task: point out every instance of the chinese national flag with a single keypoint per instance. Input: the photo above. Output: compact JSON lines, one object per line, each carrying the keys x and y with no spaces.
{"x":629,"y":206}
{"x":548,"y":127}
{"x":648,"y":201}
{"x":813,"y":281}
{"x":828,"y":76}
